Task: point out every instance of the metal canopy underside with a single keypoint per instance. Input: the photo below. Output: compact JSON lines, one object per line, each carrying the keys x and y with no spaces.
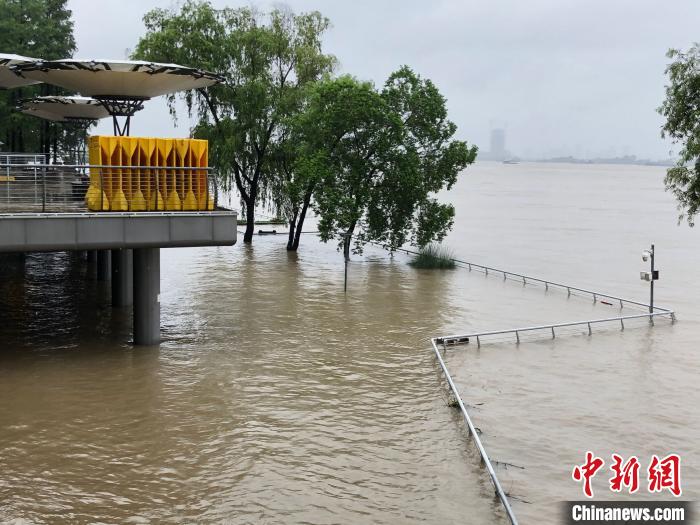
{"x":39,"y":113}
{"x":8,"y":78}
{"x":62,"y":109}
{"x":128,"y":79}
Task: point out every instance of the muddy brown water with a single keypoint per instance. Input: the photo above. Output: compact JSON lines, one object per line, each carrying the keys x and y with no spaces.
{"x":276,"y":398}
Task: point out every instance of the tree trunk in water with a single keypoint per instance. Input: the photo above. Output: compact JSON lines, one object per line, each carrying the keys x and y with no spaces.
{"x":250,"y":221}
{"x":292,"y":230}
{"x":300,"y":224}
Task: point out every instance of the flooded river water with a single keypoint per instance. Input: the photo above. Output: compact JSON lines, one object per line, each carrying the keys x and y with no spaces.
{"x":276,"y":398}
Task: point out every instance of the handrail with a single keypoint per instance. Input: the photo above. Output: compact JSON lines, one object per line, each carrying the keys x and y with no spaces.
{"x":475,"y":437}
{"x":464,"y":338}
{"x":40,"y":187}
{"x":105,"y":166}
{"x":547,"y":283}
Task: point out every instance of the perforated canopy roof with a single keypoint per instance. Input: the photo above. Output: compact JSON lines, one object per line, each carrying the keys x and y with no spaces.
{"x":62,"y":109}
{"x":8,"y":78}
{"x":117,"y":79}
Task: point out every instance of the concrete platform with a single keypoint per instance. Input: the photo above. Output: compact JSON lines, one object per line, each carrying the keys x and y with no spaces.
{"x":45,"y":232}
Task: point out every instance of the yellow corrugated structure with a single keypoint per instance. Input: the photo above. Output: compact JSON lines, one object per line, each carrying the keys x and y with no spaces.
{"x":157,"y":174}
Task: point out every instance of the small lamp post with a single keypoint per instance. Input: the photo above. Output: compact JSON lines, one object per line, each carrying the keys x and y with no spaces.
{"x":651,"y":276}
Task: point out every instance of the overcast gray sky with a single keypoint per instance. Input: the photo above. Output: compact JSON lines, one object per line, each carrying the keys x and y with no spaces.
{"x":561,"y":76}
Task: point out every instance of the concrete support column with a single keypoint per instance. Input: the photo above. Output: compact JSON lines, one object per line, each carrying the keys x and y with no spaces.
{"x":147,"y":296}
{"x":122,"y":278}
{"x":92,"y":256}
{"x":104,"y":265}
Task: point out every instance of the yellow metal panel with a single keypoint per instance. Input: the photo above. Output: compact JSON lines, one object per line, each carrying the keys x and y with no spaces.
{"x":148,"y":185}
{"x":118,"y":200}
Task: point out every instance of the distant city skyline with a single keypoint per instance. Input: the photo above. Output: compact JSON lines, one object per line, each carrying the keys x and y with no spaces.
{"x":565,"y":78}
{"x":498,"y":142}
{"x":498,"y":149}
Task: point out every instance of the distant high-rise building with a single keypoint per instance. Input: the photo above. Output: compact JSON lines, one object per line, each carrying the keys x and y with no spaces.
{"x":498,"y":144}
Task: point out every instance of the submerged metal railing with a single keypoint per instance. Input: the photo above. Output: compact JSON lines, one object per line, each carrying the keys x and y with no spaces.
{"x":51,"y":188}
{"x":527,"y":279}
{"x":466,"y":338}
{"x":500,"y":493}
{"x":571,"y":290}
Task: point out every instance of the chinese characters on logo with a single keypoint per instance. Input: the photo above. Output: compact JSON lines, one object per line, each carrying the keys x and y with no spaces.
{"x":662,"y":473}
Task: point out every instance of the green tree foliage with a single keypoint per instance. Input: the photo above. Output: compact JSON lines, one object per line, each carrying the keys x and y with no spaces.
{"x":267,"y":60}
{"x":379,"y":159}
{"x":41,"y":29}
{"x":681,"y":108}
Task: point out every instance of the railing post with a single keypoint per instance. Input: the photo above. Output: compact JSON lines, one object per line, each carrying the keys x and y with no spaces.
{"x":478,"y":343}
{"x":36,"y":190}
{"x":553,"y":333}
{"x":206,"y":191}
{"x":622,"y":323}
{"x":43,"y":190}
{"x":589,"y":329}
{"x":517,"y":337}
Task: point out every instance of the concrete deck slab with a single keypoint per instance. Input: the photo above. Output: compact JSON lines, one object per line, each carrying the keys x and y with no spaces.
{"x":44,"y":232}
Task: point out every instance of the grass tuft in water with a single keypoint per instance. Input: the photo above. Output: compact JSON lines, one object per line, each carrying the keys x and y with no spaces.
{"x":434,"y":256}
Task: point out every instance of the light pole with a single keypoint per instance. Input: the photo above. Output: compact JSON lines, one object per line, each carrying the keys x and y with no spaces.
{"x":651,"y":276}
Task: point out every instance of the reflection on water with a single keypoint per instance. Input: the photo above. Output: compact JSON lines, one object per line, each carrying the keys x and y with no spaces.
{"x":276,"y":398}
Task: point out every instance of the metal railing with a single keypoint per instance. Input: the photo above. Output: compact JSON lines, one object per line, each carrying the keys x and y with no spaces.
{"x":500,"y":493}
{"x":527,"y":279}
{"x":465,"y":338}
{"x":22,"y":158}
{"x":571,"y":290}
{"x":51,"y":188}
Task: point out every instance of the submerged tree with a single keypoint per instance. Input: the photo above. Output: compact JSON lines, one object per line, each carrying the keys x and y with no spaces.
{"x":266,"y":59}
{"x":681,"y":108}
{"x":381,"y":157}
{"x":334,"y":109}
